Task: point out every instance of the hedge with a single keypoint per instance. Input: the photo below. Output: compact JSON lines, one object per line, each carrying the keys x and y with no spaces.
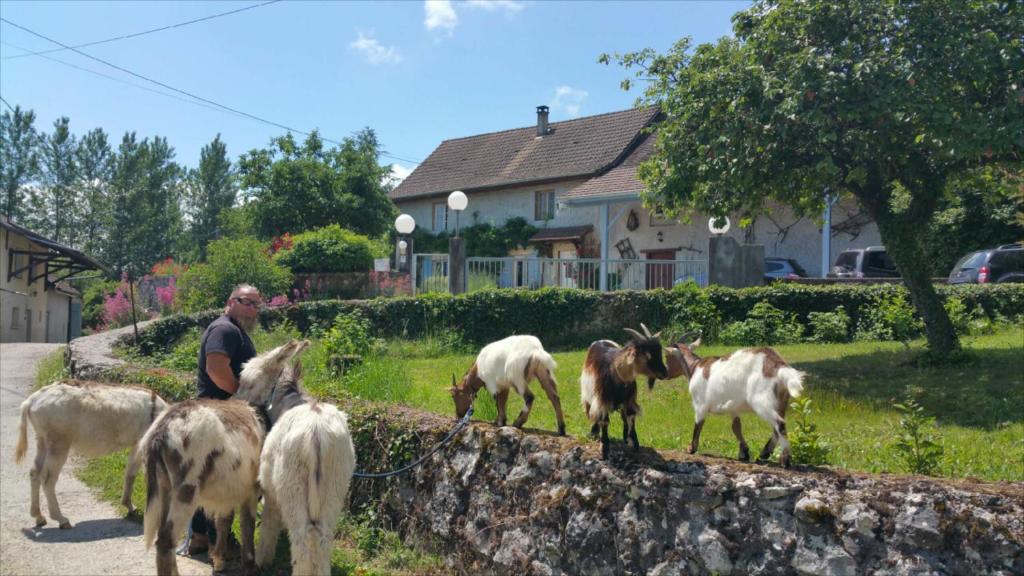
{"x":567,"y":318}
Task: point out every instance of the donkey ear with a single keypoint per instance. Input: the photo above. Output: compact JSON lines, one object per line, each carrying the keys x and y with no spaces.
{"x":695,"y":343}
{"x":296,"y":369}
{"x":298,"y":347}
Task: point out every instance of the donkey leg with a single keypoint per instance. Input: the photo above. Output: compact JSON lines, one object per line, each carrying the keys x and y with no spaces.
{"x":270,"y":530}
{"x":247,"y":523}
{"x":36,"y":476}
{"x":130,"y":471}
{"x":56,"y":455}
{"x":737,"y":429}
{"x":178,"y":515}
{"x":525,"y":412}
{"x":219,"y":552}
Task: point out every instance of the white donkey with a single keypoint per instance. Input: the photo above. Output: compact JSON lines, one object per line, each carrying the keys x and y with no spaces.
{"x":305,"y":468}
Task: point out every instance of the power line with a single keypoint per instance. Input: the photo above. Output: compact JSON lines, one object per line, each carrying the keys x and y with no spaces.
{"x":8,"y":105}
{"x":144,"y":32}
{"x":116,"y":79}
{"x":223,"y":106}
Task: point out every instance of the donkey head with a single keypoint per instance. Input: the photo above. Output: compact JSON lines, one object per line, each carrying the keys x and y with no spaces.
{"x":259,"y":375}
{"x":646,"y":354}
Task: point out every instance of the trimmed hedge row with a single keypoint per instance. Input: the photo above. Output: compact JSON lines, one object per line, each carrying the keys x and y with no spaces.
{"x":567,"y":318}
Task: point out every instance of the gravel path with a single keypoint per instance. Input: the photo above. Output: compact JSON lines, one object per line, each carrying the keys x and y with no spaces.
{"x":101,"y":542}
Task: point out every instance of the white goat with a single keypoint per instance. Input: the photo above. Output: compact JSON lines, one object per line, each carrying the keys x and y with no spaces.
{"x":510,"y":363}
{"x":749,"y":380}
{"x":305,"y":468}
{"x":205,"y":453}
{"x":94,"y":419}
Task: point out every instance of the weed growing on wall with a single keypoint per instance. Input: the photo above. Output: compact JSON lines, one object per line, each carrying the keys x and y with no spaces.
{"x":917,"y":439}
{"x":808,"y":447}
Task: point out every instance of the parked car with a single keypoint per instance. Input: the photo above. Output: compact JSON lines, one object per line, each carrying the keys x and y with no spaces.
{"x":776,"y":268}
{"x":870,"y":262}
{"x":993,"y":265}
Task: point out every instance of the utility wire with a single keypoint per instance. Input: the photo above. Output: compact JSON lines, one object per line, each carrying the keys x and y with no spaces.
{"x":8,"y":105}
{"x":223,"y":106}
{"x":144,"y":32}
{"x":116,"y":79}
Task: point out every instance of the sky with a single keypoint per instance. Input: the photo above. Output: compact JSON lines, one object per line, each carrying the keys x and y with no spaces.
{"x":415,"y":72}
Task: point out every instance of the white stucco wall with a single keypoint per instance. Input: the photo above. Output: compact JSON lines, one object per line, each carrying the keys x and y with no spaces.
{"x":496,"y":207}
{"x":800,"y":241}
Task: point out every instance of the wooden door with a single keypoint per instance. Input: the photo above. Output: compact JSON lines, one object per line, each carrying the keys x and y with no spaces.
{"x":660,"y":275}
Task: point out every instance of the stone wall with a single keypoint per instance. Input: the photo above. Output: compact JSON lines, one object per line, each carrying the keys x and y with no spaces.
{"x":501,"y":501}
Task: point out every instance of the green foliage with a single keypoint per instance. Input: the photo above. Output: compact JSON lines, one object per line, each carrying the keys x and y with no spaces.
{"x":19,"y":159}
{"x":891,"y":318}
{"x":231,"y":262}
{"x":93,"y":292}
{"x":803,"y":98}
{"x":765,"y":325}
{"x":482,"y":239}
{"x":329,"y":249}
{"x":805,"y":441}
{"x":830,"y":326}
{"x":210,"y":190}
{"x":350,"y":335}
{"x":691,"y":308}
{"x":916,"y":439}
{"x":51,"y":369}
{"x":958,"y":314}
{"x":297,"y":188}
{"x":184,"y":357}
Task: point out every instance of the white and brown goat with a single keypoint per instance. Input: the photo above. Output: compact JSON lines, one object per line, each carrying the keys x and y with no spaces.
{"x":608,"y":382}
{"x":205,"y":453}
{"x":749,"y":380}
{"x":509,"y":364}
{"x":305,"y":468}
{"x":94,"y":420}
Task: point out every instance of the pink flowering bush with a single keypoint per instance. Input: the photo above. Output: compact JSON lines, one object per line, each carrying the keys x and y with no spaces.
{"x":165,"y":296}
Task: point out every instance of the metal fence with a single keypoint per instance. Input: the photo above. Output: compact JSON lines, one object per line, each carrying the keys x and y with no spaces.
{"x":585,"y":273}
{"x":430,"y":273}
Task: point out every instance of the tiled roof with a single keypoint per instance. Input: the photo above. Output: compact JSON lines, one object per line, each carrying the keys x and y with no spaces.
{"x":563,"y":233}
{"x":619,"y":180}
{"x":573,"y":148}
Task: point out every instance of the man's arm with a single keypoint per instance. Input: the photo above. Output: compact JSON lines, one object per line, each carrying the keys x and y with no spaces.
{"x":218,"y":367}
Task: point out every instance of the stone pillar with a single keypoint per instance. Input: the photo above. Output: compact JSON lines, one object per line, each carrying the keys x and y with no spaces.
{"x":456,"y":265}
{"x":733,"y":265}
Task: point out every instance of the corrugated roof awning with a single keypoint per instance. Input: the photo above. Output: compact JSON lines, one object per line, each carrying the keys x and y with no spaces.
{"x":59,"y":261}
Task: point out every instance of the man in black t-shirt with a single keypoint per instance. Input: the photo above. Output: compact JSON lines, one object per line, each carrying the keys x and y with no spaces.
{"x":224,"y":347}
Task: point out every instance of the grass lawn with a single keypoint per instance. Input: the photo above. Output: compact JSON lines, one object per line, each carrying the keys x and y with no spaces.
{"x":979,"y":406}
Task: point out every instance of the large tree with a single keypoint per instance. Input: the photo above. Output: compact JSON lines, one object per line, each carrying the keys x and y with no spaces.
{"x":95,"y":165}
{"x":295,"y":187}
{"x":882,"y":99}
{"x":19,"y":159}
{"x":211,"y":189}
{"x":58,"y":199}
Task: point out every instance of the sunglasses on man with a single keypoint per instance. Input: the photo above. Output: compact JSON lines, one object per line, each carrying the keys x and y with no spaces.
{"x":249,"y":303}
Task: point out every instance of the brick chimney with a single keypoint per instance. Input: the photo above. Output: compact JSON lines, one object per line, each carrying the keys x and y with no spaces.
{"x":542,"y":121}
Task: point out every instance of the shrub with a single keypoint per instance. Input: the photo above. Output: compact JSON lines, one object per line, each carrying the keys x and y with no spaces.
{"x":230,"y":262}
{"x":92,"y":301}
{"x":891,"y":318}
{"x":691,"y":308}
{"x":765,"y":325}
{"x":805,"y":442}
{"x":184,"y":356}
{"x":349,"y":337}
{"x":329,"y":249}
{"x":958,"y":315}
{"x":916,"y":440}
{"x":830,"y":326}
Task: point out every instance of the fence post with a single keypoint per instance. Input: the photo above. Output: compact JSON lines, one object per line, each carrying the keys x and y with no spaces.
{"x":456,"y":265}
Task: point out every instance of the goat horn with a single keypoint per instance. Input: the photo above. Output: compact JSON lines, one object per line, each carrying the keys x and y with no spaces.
{"x":634,"y":333}
{"x":656,"y":335}
{"x":647,"y":332}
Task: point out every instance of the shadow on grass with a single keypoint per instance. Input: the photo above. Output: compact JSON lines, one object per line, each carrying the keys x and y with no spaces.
{"x":985,"y":392}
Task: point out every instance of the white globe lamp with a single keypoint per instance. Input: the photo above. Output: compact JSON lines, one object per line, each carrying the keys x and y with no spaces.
{"x":715,"y":228}
{"x":405,"y":224}
{"x":457,"y":201}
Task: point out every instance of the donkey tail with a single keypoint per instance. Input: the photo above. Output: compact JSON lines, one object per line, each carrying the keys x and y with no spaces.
{"x":22,"y":447}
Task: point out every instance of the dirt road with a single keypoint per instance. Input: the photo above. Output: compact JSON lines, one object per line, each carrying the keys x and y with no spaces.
{"x":100,"y":543}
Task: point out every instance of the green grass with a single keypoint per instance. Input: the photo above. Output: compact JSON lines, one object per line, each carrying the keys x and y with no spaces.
{"x":51,"y":368}
{"x":979,"y":406}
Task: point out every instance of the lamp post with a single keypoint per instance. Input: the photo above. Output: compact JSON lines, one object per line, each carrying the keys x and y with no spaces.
{"x":719,"y":225}
{"x":404,"y":225}
{"x":457,"y":201}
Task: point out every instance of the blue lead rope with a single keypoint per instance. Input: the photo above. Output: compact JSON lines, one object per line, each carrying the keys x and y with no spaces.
{"x":458,"y":426}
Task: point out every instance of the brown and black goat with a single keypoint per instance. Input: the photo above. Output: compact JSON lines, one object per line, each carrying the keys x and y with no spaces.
{"x":608,"y":381}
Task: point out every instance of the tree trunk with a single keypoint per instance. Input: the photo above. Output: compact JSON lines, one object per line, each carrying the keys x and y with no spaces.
{"x":902,"y":238}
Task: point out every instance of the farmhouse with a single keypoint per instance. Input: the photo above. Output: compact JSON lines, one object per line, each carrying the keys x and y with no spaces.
{"x":576,"y":180}
{"x":36,"y":304}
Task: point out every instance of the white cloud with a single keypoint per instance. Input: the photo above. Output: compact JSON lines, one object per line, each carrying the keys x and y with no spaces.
{"x":375,"y":52}
{"x":568,"y":100}
{"x":508,"y":6}
{"x":440,"y":15}
{"x":398,"y":173}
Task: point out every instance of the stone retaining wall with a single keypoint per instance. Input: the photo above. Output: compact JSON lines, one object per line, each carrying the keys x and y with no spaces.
{"x":501,"y":501}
